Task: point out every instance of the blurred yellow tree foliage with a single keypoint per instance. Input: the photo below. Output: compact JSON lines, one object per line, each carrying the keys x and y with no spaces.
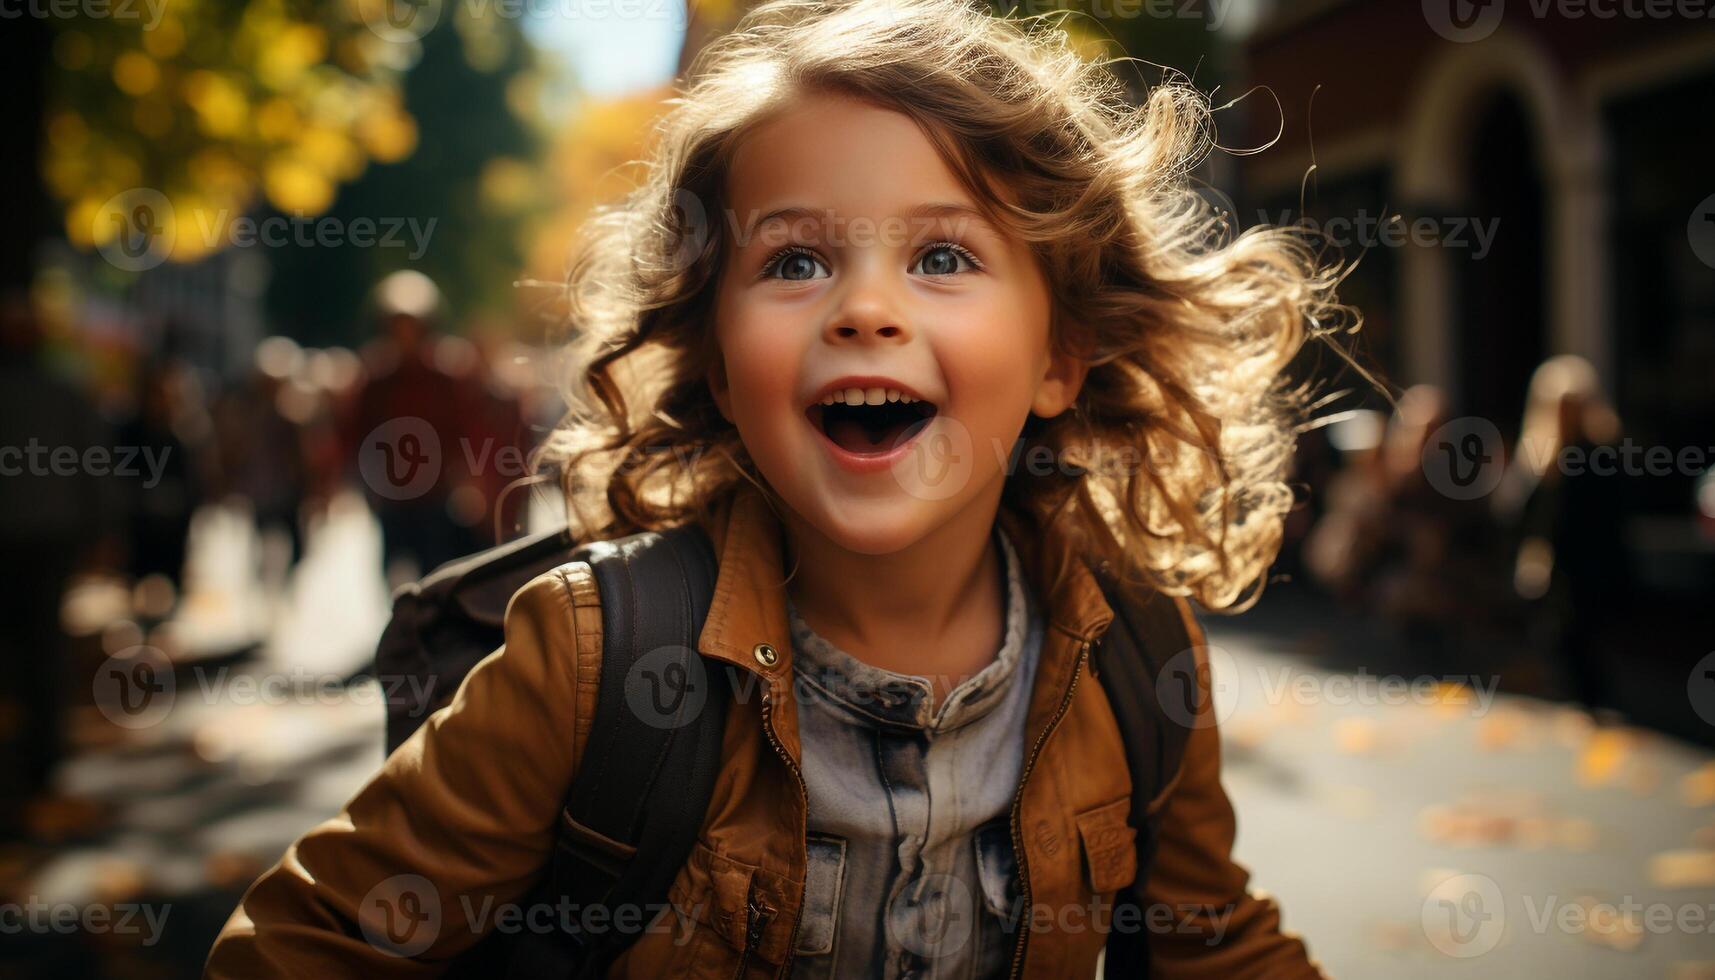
{"x":593,"y":161}
{"x":212,"y":102}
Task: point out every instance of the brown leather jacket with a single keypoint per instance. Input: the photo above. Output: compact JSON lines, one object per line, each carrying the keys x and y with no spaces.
{"x":460,"y":820}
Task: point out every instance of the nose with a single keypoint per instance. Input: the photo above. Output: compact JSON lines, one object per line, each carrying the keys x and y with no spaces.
{"x":868,"y":310}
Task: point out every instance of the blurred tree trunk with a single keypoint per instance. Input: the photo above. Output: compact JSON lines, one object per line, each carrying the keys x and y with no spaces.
{"x":23,"y":55}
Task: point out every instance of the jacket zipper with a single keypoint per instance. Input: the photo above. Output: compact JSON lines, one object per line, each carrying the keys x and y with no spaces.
{"x":803,"y":810}
{"x":1022,"y":925}
{"x":756,"y":917}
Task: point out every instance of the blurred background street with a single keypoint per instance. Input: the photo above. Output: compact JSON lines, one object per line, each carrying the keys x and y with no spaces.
{"x":279,"y":325}
{"x":1351,"y":807}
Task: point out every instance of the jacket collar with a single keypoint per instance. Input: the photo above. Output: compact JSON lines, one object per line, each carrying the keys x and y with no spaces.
{"x":749,"y":604}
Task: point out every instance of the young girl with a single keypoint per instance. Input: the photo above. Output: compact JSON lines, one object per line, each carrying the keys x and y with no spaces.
{"x":917,"y":315}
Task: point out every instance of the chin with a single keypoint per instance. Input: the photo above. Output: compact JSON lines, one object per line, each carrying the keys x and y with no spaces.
{"x":871,"y":525}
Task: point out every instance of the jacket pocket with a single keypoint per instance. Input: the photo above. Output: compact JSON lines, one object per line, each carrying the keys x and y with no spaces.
{"x":728,"y":915}
{"x":824,"y":886}
{"x":1109,"y":845}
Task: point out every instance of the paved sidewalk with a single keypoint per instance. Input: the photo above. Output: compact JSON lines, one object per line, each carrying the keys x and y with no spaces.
{"x":1428,"y":831}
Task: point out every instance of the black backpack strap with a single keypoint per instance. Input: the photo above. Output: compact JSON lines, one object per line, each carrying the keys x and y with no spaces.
{"x":441,"y":626}
{"x":1135,"y":661}
{"x":648,"y":770}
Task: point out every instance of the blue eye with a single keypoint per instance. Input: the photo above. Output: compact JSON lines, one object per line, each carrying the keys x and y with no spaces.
{"x":793,"y":264}
{"x":943,"y":259}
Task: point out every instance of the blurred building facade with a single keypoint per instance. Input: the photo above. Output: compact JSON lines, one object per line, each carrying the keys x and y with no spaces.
{"x":1573,"y":134}
{"x":1517,"y":181}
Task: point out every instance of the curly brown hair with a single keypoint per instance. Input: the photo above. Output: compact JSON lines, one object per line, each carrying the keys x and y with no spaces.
{"x":1172,"y":467}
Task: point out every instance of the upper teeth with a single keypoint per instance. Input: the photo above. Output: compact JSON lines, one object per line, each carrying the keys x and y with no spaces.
{"x":866,"y":396}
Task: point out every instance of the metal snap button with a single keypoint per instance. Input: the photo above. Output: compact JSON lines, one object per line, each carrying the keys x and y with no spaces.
{"x":765,"y":655}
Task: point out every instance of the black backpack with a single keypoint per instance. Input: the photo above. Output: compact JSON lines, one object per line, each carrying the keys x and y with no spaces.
{"x":648,"y":785}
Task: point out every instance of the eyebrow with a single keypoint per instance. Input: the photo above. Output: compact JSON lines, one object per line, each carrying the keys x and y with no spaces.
{"x":931,"y":209}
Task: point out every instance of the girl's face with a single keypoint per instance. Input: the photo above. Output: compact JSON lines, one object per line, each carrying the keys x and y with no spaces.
{"x":881,"y":282}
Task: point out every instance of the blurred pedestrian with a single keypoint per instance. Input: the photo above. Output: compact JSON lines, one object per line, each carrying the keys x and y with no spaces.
{"x":1392,"y":542}
{"x":1343,"y":548}
{"x":167,"y":424}
{"x":491,"y":475}
{"x":1564,"y":512}
{"x":1442,"y":583}
{"x":409,"y":415}
{"x":261,"y":447}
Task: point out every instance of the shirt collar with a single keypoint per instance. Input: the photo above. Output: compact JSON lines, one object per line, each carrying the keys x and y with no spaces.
{"x":890,"y":699}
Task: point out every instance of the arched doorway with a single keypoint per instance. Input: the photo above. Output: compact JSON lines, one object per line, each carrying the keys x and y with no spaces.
{"x":1495,"y":132}
{"x":1500,"y":320}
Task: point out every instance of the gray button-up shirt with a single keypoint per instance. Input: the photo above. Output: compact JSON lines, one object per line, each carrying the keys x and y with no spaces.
{"x":911,"y":869}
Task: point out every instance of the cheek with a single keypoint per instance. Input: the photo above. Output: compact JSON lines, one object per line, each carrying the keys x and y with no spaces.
{"x":761,"y":359}
{"x":994,"y":352}
{"x":760,"y":379}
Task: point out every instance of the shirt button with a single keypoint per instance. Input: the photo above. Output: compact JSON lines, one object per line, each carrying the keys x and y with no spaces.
{"x":765,"y":655}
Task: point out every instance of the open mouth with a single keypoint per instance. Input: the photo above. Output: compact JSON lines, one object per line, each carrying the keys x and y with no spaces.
{"x":856,"y":426}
